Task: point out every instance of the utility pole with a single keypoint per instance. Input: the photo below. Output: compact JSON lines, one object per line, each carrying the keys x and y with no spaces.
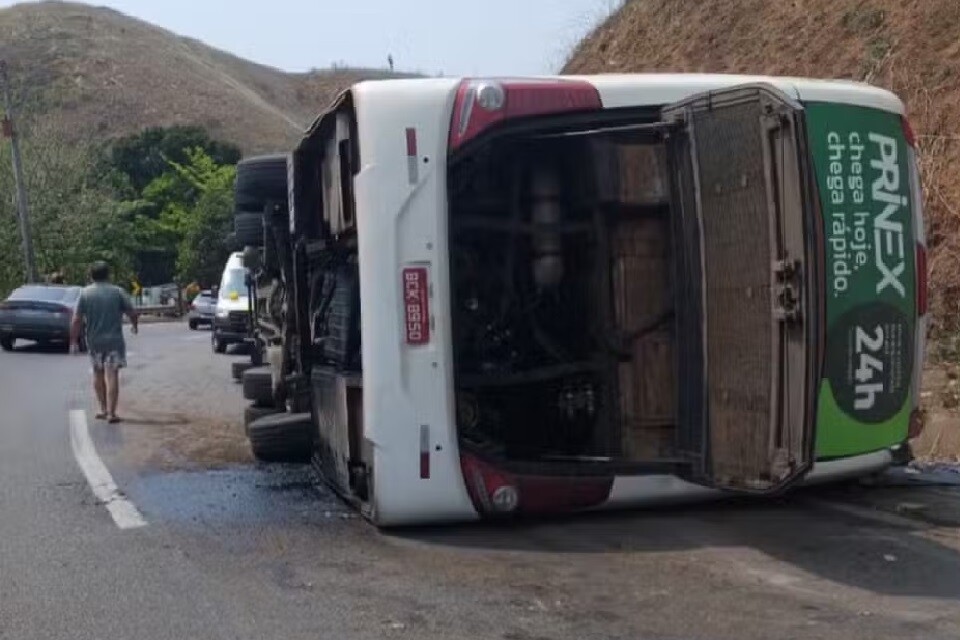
{"x":10,"y":131}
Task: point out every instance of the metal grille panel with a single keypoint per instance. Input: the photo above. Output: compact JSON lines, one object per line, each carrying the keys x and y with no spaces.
{"x":737,"y":267}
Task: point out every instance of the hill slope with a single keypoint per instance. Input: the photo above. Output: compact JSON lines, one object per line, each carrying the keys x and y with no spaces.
{"x":909,"y":46}
{"x":95,"y":70}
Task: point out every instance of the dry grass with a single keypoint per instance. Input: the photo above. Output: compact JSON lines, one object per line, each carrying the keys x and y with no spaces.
{"x":105,"y":74}
{"x":940,"y":441}
{"x":173,"y":442}
{"x":909,"y":46}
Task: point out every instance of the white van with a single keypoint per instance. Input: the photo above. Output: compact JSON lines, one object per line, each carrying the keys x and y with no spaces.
{"x":542,"y":295}
{"x":231,"y":323}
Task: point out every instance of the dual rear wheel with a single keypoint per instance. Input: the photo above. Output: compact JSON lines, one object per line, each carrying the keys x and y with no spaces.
{"x":274,"y":434}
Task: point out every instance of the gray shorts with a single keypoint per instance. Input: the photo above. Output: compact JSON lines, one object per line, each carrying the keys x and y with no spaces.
{"x":108,"y":359}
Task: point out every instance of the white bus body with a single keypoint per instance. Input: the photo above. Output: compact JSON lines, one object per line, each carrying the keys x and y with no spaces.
{"x":391,"y":419}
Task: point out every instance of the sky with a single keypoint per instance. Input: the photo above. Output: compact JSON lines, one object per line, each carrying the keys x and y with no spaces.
{"x":453,"y":37}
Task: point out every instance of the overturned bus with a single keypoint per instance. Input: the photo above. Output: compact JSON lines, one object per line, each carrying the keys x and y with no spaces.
{"x":485,"y":298}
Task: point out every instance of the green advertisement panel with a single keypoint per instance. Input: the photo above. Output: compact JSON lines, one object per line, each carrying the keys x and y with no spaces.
{"x":861,"y":162}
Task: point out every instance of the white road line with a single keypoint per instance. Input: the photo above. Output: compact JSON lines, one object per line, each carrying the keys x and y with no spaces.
{"x":124,"y":513}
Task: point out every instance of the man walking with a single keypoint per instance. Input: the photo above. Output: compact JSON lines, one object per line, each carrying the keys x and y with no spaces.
{"x":100,"y":312}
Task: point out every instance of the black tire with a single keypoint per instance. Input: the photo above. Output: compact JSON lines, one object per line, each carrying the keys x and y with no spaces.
{"x":258,"y":385}
{"x":260,"y":180}
{"x":248,"y":227}
{"x":7,"y":343}
{"x":192,"y":324}
{"x":253,"y":412}
{"x":282,"y":437}
{"x":218,"y":345}
{"x":237,"y":369}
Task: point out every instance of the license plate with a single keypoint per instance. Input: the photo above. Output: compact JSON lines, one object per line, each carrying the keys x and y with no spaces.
{"x":416,"y":305}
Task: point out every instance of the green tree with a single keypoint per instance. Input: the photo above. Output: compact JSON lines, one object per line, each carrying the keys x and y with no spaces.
{"x":203,"y":248}
{"x":74,"y":217}
{"x":195,"y":203}
{"x":188,"y":210}
{"x":83,"y":208}
{"x":140,"y":159}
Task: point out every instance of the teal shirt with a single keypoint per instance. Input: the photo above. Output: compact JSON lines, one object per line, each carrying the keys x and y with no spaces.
{"x":102,"y":306}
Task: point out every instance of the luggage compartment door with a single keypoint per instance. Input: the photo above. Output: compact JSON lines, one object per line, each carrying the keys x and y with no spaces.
{"x":747,"y":314}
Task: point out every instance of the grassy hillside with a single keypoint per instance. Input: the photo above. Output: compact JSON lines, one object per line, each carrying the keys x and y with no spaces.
{"x":909,"y":46}
{"x":94,"y":71}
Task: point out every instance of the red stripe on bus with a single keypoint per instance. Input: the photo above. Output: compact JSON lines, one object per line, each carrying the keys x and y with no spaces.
{"x":411,"y":142}
{"x":424,"y":465}
{"x":424,"y":452}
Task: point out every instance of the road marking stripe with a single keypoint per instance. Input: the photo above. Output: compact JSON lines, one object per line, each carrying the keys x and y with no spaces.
{"x":124,"y":513}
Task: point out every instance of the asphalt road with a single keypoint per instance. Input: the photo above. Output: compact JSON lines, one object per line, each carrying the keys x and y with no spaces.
{"x":235,"y":550}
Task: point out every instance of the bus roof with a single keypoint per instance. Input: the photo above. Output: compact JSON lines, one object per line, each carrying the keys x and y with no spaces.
{"x":642,"y":89}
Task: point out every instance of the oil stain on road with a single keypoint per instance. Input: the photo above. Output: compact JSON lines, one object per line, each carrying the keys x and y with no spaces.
{"x":241,"y":496}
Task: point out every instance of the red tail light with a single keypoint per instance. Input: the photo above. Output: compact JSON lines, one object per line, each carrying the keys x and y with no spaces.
{"x":480,"y":104}
{"x":921,"y":280}
{"x":494,"y":491}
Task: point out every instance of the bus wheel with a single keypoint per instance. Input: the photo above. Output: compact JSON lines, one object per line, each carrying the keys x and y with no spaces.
{"x":258,"y":385}
{"x":237,"y":369}
{"x":254,"y":412}
{"x":282,"y":437}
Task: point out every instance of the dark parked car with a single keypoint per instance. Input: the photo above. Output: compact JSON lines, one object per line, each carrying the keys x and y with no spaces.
{"x":202,"y":309}
{"x":41,"y":313}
